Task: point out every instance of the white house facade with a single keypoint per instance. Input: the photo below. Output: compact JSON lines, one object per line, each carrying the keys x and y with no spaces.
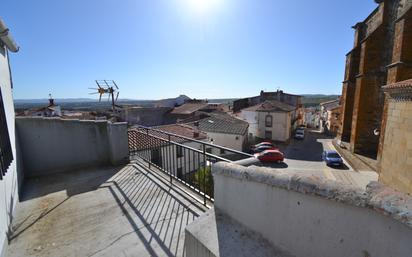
{"x":9,"y":182}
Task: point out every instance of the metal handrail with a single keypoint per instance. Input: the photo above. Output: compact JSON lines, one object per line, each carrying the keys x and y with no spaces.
{"x":191,"y":148}
{"x":194,"y":140}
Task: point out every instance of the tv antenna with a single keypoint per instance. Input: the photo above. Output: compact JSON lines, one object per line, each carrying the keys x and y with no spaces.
{"x":108,"y":87}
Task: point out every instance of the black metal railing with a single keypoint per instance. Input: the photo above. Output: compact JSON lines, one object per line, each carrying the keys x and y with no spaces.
{"x":182,"y":158}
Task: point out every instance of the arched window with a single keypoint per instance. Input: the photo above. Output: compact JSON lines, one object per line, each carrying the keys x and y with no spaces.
{"x":269,"y":121}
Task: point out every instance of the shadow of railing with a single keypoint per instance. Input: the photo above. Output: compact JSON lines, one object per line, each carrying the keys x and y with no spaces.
{"x":158,"y":217}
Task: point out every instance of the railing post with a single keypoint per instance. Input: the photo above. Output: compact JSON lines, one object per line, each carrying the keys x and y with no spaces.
{"x":170,"y":171}
{"x":204,"y":174}
{"x":149,"y":158}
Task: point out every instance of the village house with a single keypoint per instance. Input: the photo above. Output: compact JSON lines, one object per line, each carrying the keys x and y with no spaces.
{"x":330,"y":117}
{"x":312,"y":117}
{"x":189,"y":137}
{"x":146,"y":116}
{"x":271,"y":120}
{"x":223,"y":130}
{"x":51,"y":110}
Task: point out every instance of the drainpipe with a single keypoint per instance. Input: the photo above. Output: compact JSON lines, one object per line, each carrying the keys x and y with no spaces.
{"x":6,"y":37}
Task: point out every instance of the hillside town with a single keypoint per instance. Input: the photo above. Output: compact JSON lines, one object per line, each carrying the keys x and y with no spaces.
{"x":266,"y":174}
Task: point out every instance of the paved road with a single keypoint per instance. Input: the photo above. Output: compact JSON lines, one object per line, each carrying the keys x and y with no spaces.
{"x":305,"y":155}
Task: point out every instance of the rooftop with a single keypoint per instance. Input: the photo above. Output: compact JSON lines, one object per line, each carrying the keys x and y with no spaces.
{"x":221,"y":123}
{"x":189,"y":108}
{"x":183,"y":130}
{"x":271,"y":106}
{"x":330,"y":105}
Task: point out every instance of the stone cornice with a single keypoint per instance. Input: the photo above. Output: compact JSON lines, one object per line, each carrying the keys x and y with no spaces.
{"x":400,"y":91}
{"x":377,"y":197}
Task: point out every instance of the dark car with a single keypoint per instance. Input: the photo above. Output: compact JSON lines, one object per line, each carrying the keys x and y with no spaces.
{"x":332,"y":158}
{"x":264,"y":148}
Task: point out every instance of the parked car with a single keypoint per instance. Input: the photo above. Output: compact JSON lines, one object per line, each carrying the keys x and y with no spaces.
{"x":261,"y":144}
{"x":332,"y":158}
{"x":300,"y":134}
{"x":264,"y":148}
{"x":270,"y":156}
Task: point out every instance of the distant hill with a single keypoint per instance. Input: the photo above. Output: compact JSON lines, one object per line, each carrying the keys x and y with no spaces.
{"x":309,"y":100}
{"x":312,"y":100}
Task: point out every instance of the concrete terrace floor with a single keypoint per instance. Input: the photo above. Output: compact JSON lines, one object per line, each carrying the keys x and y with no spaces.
{"x":123,"y":211}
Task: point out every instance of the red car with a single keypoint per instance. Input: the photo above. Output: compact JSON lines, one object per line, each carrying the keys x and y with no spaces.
{"x":270,"y":156}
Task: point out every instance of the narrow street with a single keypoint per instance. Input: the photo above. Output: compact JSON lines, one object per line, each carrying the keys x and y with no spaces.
{"x":305,"y":155}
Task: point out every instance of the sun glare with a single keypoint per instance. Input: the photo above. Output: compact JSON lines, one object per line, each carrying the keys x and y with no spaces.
{"x":202,"y":6}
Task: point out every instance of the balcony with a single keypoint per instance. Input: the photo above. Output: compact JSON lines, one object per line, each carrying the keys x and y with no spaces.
{"x":95,"y":188}
{"x":127,"y":210}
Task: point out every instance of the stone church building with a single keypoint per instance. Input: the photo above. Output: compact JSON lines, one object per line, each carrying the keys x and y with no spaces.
{"x":376,"y":96}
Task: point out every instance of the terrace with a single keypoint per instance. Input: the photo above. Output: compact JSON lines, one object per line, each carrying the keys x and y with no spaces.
{"x":95,"y":188}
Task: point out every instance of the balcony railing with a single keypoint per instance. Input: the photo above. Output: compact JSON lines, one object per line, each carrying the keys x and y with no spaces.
{"x":181,"y":158}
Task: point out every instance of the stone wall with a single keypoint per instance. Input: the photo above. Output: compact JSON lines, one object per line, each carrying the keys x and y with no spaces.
{"x":370,"y":66}
{"x":396,"y":161}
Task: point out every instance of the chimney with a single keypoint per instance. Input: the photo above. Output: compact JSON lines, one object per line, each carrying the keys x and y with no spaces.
{"x":51,"y":100}
{"x":195,"y":134}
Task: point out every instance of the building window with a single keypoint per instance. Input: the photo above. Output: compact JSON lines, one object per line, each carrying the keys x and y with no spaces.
{"x":6,"y":154}
{"x":268,"y":134}
{"x":222,"y":151}
{"x":269,"y":121}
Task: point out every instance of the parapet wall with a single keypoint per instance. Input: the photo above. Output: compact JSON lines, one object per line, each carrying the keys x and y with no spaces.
{"x":313,"y":217}
{"x":51,"y":145}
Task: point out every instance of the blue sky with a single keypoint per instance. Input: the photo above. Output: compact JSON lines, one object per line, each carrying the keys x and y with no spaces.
{"x":162,"y":48}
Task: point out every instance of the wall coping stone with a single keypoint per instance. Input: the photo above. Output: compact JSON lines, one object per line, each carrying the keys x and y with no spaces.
{"x":376,"y":196}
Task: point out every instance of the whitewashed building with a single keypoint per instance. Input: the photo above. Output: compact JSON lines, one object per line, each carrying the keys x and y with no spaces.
{"x":9,"y":180}
{"x":224,"y":130}
{"x":271,"y":120}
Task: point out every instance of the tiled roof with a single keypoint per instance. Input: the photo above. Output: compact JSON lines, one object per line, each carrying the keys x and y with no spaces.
{"x":271,"y":106}
{"x":183,"y":130}
{"x":189,"y":108}
{"x":221,"y":123}
{"x":331,"y":104}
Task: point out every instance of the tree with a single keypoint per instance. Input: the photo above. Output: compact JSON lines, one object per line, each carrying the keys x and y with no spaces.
{"x":204,"y":180}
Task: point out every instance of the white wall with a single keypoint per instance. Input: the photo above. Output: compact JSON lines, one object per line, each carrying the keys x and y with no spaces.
{"x":251,"y":117}
{"x":314,"y":217}
{"x":232,"y":141}
{"x":281,"y":129}
{"x":188,"y":162}
{"x":9,"y":184}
